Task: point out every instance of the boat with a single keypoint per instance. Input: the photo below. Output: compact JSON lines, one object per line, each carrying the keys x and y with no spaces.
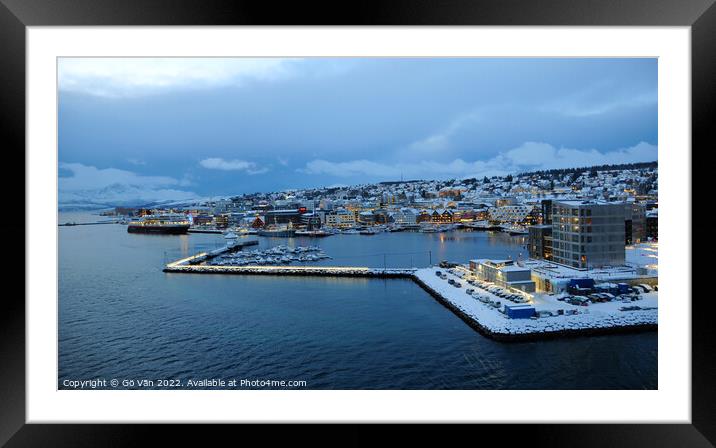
{"x":481,"y":225}
{"x":173,"y":224}
{"x":514,"y":229}
{"x":368,"y":232}
{"x":277,"y":232}
{"x":429,"y":229}
{"x":230,"y":235}
{"x":312,"y":233}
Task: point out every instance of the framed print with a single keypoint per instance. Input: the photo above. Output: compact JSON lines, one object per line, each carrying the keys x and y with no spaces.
{"x":234,"y":223}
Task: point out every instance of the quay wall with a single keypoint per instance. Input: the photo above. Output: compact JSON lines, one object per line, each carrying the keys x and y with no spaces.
{"x":531,"y":336}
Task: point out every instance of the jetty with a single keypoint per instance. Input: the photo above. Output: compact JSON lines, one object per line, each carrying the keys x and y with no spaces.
{"x":195,"y":230}
{"x":486,"y":314}
{"x":70,"y":224}
{"x":205,"y":256}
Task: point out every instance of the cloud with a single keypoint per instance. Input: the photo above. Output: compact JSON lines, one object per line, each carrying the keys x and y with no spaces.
{"x":217,"y":163}
{"x":530,"y":156}
{"x":123,"y":77}
{"x":600,"y":99}
{"x":539,"y":156}
{"x":440,"y":141}
{"x":83,"y":184}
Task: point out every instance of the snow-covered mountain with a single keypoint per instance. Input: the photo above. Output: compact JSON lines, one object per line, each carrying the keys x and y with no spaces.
{"x":123,"y":195}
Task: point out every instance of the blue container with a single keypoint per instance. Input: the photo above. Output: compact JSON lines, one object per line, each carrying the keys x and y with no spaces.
{"x":582,"y":283}
{"x":519,"y":311}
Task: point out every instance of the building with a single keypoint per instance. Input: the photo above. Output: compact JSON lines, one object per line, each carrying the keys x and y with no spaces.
{"x":634,"y":223}
{"x":311,"y":220}
{"x":652,"y":224}
{"x":424,"y":216}
{"x":202,"y":220}
{"x":441,"y":216}
{"x":588,"y":234}
{"x":404,"y":217}
{"x":341,"y":219}
{"x":257,"y":223}
{"x":504,"y":273}
{"x":221,"y":221}
{"x":381,"y":216}
{"x":292,"y":216}
{"x":539,"y":242}
{"x":502,"y":202}
{"x":546,"y":208}
{"x":366,"y":218}
{"x":511,"y":213}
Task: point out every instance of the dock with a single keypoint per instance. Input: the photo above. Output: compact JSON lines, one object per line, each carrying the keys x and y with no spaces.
{"x":482,"y":317}
{"x":72,"y":224}
{"x":204,"y":231}
{"x":600,"y":319}
{"x":204,"y":256}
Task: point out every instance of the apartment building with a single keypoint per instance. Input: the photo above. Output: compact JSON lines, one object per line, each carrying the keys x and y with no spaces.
{"x":588,"y":234}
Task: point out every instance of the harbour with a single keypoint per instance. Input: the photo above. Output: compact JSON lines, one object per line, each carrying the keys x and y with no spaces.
{"x":167,"y":324}
{"x":270,"y":220}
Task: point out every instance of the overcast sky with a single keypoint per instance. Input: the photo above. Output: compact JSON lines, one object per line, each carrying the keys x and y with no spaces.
{"x":150,"y":129}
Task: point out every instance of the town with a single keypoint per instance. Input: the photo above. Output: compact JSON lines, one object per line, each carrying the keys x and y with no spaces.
{"x":521,"y":204}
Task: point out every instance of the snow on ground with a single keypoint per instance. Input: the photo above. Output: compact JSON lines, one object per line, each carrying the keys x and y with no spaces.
{"x":601,"y":315}
{"x":645,"y":255}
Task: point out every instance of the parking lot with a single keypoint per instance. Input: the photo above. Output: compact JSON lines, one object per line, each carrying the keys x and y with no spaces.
{"x":547,"y":305}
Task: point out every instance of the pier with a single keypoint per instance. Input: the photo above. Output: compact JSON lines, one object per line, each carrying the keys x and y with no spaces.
{"x":204,"y":256}
{"x":193,"y":230}
{"x":482,"y":317}
{"x":72,"y":224}
{"x":315,"y":271}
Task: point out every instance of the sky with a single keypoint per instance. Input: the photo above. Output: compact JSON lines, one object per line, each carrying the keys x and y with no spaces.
{"x":136,"y":130}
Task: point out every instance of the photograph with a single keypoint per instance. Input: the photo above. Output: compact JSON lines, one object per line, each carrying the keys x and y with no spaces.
{"x":355,"y":223}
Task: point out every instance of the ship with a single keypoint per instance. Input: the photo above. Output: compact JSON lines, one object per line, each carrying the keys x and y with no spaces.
{"x":172,"y":224}
{"x":280,"y":233}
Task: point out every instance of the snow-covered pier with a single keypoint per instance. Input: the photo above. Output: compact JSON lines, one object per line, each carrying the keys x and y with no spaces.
{"x":573,"y":320}
{"x":205,"y":256}
{"x":322,"y":271}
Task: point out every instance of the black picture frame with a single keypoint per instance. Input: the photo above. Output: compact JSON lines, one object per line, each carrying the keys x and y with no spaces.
{"x":16,"y":15}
